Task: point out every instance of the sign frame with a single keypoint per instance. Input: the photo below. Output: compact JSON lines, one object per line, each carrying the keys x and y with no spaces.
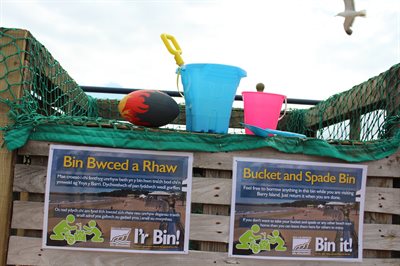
{"x":269,"y":193}
{"x":108,"y":199}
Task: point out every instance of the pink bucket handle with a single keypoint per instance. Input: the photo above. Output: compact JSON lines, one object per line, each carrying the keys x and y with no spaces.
{"x":284,"y":111}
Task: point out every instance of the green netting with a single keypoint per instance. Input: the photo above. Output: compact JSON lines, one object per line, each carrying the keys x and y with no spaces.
{"x":40,"y":101}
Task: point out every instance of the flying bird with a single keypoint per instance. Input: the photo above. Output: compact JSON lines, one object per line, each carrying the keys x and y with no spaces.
{"x":350,"y":14}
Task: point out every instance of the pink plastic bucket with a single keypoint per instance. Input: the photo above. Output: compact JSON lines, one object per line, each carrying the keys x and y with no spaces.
{"x":262,"y":109}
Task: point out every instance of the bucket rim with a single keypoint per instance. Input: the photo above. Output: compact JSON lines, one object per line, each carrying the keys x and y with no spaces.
{"x":263,"y":93}
{"x":240,"y":70}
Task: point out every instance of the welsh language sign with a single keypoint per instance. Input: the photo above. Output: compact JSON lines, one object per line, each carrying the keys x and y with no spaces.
{"x":297,"y":210}
{"x":107,"y":199}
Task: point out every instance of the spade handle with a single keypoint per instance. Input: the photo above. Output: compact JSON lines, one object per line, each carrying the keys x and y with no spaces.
{"x":176,"y":50}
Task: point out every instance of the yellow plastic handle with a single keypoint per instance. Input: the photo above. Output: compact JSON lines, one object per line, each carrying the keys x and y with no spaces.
{"x":176,"y":51}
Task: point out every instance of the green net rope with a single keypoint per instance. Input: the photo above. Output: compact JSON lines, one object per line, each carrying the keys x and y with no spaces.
{"x":36,"y":91}
{"x":48,"y":92}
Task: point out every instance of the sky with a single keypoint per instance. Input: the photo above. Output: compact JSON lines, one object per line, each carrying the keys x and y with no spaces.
{"x":296,"y":48}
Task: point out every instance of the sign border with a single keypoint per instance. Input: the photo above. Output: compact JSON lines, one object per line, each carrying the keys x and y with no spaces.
{"x":305,"y":163}
{"x":127,"y":151}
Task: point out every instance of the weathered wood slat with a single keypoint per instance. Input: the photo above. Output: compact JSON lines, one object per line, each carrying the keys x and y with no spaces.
{"x":378,"y":218}
{"x":214,"y":228}
{"x":387,"y":236}
{"x":39,"y":148}
{"x":27,"y":215}
{"x":29,"y":178}
{"x":28,"y":251}
{"x":32,"y":179}
{"x":204,"y":227}
{"x":23,"y":196}
{"x":211,"y":190}
{"x":213,"y":209}
{"x":382,"y":200}
{"x":12,"y":55}
{"x":388,"y":167}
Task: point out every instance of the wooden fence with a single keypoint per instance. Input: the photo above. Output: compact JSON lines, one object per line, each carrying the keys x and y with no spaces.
{"x":22,"y":183}
{"x":211,"y":195}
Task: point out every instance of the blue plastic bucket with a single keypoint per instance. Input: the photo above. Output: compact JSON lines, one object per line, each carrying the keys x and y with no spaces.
{"x":209,"y":91}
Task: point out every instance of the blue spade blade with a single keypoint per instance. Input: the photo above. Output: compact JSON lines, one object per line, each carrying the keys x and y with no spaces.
{"x":258,"y":131}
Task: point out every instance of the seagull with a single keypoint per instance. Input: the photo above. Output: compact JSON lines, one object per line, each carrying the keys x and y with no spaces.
{"x":350,"y":14}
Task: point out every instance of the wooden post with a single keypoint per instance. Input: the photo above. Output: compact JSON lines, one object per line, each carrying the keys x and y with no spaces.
{"x":215,"y":209}
{"x":378,"y":218}
{"x":12,"y":60}
{"x":355,"y":128}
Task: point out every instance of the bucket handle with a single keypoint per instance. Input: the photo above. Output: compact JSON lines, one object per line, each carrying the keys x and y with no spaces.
{"x":176,"y":51}
{"x":178,"y":73}
{"x":284,"y":111}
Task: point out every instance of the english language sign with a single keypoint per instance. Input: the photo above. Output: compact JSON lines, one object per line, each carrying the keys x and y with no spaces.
{"x":297,"y":210}
{"x":120,"y":200}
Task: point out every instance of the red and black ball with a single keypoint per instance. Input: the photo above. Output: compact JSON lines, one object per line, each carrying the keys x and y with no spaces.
{"x":149,"y":108}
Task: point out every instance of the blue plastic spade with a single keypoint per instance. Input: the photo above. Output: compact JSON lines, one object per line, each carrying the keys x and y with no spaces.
{"x":267,"y":132}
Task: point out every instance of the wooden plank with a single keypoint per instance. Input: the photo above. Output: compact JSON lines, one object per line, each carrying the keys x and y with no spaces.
{"x":31,"y":178}
{"x":237,"y":117}
{"x":382,"y":200}
{"x":39,"y":148}
{"x":27,"y":215}
{"x":355,"y":128}
{"x":387,"y":167}
{"x":12,"y":60}
{"x":388,"y":236}
{"x":213,"y":228}
{"x":23,"y":196}
{"x":6,"y":181}
{"x":378,"y":218}
{"x":28,"y":251}
{"x":211,"y":190}
{"x":211,"y":245}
